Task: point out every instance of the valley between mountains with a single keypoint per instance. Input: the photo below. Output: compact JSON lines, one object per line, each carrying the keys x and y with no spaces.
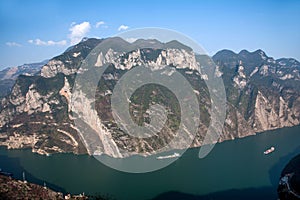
{"x":262,"y":94}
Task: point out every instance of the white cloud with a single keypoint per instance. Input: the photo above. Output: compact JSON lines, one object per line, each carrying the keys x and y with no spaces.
{"x":72,"y":24}
{"x":40,"y":42}
{"x":13,"y":44}
{"x":131,"y":40}
{"x":100,"y":23}
{"x":123,"y":27}
{"x":62,"y":42}
{"x":78,"y":31}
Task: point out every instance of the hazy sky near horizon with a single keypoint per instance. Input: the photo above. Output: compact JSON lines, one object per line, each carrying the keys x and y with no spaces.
{"x":35,"y":30}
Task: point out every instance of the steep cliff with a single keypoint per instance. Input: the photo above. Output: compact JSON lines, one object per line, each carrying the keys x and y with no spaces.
{"x":262,"y":94}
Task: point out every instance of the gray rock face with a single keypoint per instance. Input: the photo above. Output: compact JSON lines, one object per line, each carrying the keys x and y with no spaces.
{"x":262,"y":94}
{"x":179,"y":58}
{"x":54,"y":67}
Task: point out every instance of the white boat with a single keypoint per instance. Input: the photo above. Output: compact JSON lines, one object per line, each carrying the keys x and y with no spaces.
{"x":97,"y":153}
{"x":174,"y":155}
{"x":270,"y":150}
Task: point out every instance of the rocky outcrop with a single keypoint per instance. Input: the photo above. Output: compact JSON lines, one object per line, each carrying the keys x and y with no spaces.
{"x":65,"y":91}
{"x":54,"y":67}
{"x":268,"y":116}
{"x":99,"y":136}
{"x":39,"y":113}
{"x":179,"y":58}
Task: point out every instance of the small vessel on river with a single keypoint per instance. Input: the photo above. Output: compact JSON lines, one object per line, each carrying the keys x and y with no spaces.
{"x":174,"y":155}
{"x":270,"y":150}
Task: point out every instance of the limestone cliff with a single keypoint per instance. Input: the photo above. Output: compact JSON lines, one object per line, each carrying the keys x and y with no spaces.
{"x":262,"y":94}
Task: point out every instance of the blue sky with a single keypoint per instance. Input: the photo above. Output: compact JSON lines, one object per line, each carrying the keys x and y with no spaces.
{"x":35,"y":30}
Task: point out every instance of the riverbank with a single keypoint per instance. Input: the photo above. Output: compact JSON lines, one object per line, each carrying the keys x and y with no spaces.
{"x":12,"y":189}
{"x":288,"y":188}
{"x":236,"y":165}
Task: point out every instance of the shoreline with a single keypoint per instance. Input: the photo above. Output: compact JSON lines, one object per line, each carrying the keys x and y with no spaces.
{"x":45,"y":153}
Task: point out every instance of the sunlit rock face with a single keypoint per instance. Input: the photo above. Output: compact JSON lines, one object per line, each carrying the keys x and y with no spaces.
{"x":262,"y":94}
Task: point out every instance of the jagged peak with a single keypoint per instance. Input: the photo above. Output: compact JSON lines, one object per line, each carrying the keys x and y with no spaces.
{"x":291,"y":60}
{"x":120,"y":44}
{"x":225,"y":54}
{"x":259,"y":53}
{"x":226,"y":51}
{"x":116,"y":39}
{"x":174,"y":44}
{"x":84,"y":41}
{"x":148,"y":43}
{"x":151,"y":41}
{"x":244,"y":52}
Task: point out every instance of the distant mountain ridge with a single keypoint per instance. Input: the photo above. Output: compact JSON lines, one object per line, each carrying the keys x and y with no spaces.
{"x":262,"y":94}
{"x":9,"y":75}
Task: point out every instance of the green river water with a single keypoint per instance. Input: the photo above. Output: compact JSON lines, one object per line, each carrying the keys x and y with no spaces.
{"x":237,"y":164}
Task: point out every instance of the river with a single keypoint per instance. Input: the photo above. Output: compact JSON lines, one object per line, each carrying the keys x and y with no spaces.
{"x":237,"y":164}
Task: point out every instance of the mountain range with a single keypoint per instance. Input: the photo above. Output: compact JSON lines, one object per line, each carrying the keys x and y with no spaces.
{"x":9,"y":75}
{"x":262,"y":94}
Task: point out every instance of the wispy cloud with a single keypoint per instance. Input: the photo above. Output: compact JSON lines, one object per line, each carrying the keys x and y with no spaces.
{"x":40,"y":42}
{"x":100,"y":23}
{"x":13,"y":44}
{"x":78,"y":31}
{"x":123,"y":27}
